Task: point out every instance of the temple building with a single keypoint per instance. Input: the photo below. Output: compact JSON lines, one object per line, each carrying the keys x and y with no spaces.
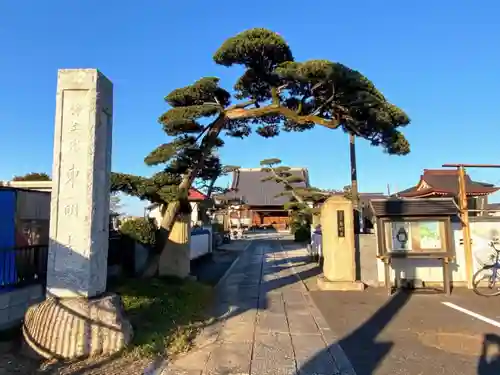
{"x":444,"y":183}
{"x":257,"y":202}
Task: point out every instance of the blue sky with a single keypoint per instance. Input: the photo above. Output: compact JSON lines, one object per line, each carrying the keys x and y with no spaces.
{"x":438,"y":60}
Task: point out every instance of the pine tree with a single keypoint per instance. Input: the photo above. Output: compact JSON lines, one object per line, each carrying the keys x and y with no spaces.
{"x":301,"y":198}
{"x":275,"y":93}
{"x":33,"y":176}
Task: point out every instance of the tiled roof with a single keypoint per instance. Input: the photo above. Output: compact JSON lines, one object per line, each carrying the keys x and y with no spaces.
{"x":413,"y":207}
{"x":445,"y":182}
{"x":194,"y":196}
{"x":248,"y":186}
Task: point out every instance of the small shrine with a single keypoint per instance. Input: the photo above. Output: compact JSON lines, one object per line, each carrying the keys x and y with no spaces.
{"x":443,"y":183}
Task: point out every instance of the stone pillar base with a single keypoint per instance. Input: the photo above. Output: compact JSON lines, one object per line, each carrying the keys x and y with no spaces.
{"x":71,"y":328}
{"x":325,"y":284}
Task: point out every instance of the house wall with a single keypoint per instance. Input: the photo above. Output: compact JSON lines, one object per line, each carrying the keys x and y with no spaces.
{"x":367,"y":244}
{"x":201,"y":242}
{"x":368,"y":258}
{"x":13,"y":304}
{"x":155,"y":213}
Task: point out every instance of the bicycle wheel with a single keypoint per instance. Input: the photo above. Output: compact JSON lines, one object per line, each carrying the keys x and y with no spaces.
{"x":486,"y":281}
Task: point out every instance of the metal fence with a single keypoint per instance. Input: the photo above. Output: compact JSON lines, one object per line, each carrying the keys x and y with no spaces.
{"x":23,"y":266}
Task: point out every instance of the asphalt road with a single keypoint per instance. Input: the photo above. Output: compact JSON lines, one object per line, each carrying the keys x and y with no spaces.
{"x":414,"y":334}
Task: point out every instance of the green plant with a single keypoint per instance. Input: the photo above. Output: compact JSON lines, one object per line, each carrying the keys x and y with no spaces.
{"x":142,"y":230}
{"x":302,"y":234}
{"x":33,"y":176}
{"x":166,"y":313}
{"x":218,"y":227}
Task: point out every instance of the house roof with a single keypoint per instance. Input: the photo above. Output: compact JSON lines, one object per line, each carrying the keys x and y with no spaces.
{"x":194,"y":196}
{"x":444,"y":182}
{"x":247,"y":185}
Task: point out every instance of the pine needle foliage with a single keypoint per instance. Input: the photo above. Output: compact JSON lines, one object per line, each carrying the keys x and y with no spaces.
{"x":275,"y":93}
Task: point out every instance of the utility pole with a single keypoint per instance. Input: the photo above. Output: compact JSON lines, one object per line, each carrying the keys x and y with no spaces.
{"x":354,"y":180}
{"x":464,"y":214}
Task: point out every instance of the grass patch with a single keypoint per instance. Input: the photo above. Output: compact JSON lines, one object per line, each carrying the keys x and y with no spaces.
{"x":166,"y":313}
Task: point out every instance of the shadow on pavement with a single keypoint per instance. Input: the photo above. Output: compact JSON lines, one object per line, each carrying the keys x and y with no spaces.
{"x":255,"y":278}
{"x":367,"y":332}
{"x":248,"y":292}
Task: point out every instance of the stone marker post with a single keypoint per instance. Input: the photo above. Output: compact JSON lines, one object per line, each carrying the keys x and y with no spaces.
{"x":79,"y":220}
{"x":337,"y":224}
{"x":84,"y":319}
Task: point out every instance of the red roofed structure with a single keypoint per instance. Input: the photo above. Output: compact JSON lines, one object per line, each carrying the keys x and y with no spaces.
{"x":196,"y":195}
{"x":443,"y":183}
{"x":439,"y":183}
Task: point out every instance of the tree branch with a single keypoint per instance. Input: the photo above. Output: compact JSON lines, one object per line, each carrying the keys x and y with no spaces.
{"x":242,"y":105}
{"x":273,"y":109}
{"x":286,"y":183}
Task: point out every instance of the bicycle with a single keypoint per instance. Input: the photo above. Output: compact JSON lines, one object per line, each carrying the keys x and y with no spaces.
{"x":491,"y":273}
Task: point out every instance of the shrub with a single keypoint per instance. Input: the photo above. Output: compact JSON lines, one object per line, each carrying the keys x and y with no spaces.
{"x":142,"y":230}
{"x":217,"y":227}
{"x":302,"y":234}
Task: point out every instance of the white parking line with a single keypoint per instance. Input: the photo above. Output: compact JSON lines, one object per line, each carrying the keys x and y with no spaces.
{"x":473,"y":314}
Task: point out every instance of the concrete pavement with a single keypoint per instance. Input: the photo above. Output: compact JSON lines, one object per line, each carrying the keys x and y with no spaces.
{"x":266,"y":322}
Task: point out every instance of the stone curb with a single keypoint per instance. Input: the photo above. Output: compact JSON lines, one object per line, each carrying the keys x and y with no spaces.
{"x":339,"y":357}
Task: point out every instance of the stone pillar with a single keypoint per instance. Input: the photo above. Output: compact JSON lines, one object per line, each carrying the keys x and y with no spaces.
{"x":337,"y":224}
{"x":79,"y":227}
{"x":79,"y":220}
{"x":175,"y":258}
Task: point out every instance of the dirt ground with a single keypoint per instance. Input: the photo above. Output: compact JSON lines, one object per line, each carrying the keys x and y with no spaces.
{"x":13,"y":360}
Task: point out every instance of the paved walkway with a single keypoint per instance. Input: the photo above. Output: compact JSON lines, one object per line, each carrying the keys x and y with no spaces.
{"x":267,"y":323}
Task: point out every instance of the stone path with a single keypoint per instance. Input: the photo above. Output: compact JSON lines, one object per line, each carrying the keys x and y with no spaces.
{"x":267,"y":323}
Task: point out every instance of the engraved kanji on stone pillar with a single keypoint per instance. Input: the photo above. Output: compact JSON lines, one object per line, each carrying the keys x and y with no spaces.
{"x":80,"y":194}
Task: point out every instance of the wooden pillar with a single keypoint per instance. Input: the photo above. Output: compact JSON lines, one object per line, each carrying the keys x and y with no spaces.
{"x":464,"y":216}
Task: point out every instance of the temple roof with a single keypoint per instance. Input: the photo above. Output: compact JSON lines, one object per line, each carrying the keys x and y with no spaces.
{"x":247,"y":185}
{"x":444,"y":182}
{"x":413,"y":207}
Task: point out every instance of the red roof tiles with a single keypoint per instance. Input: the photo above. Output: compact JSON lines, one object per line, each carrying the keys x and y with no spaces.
{"x":443,"y":182}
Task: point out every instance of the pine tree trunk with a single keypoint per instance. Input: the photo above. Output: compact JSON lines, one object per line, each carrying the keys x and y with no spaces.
{"x":169,"y":215}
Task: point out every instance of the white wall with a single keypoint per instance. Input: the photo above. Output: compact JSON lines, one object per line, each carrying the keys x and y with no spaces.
{"x":156,"y":213}
{"x":201,"y":239}
{"x":201,"y":242}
